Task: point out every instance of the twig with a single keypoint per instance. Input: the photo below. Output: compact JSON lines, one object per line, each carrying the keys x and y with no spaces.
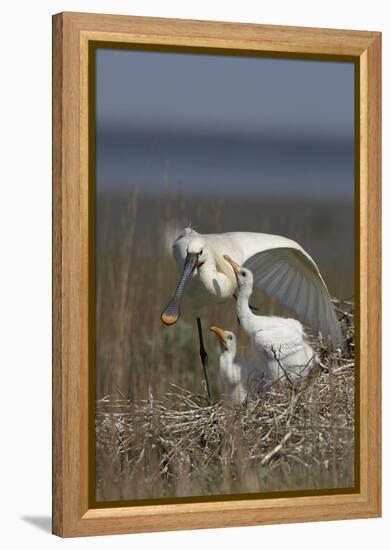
{"x":276,"y":449}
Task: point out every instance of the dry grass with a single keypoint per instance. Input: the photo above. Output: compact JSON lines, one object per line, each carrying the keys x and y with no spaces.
{"x":156,"y":436}
{"x":292,"y":437}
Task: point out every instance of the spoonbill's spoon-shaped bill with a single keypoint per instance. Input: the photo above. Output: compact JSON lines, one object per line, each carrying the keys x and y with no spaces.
{"x":172,"y":312}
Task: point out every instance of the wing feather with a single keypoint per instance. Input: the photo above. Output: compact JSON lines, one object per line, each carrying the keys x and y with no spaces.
{"x":271,"y":271}
{"x":285,"y":281}
{"x":291,"y":292}
{"x":277,"y":280}
{"x":293,"y":278}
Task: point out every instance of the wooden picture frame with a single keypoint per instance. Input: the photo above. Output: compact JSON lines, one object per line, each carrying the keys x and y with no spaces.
{"x":72,"y":35}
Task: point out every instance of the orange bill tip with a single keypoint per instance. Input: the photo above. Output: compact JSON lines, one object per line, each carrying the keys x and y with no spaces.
{"x":169,"y":319}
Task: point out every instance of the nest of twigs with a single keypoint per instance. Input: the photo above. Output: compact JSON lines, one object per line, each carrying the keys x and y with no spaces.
{"x":293,"y":436}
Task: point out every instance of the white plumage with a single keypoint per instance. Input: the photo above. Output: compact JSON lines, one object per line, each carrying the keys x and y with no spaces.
{"x":279,"y":343}
{"x":281,"y":268}
{"x":238,"y":378}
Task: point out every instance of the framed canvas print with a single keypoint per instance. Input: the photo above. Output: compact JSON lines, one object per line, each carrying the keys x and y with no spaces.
{"x":216,"y":274}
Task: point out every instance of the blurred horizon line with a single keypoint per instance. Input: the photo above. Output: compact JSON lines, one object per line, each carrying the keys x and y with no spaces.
{"x":113,"y":130}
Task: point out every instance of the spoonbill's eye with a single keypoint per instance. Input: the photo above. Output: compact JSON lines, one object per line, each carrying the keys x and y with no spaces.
{"x":201,"y":252}
{"x":229,"y":336}
{"x":243,"y":273}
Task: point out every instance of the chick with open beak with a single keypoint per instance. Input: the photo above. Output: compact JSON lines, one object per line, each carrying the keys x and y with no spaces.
{"x":238,"y":378}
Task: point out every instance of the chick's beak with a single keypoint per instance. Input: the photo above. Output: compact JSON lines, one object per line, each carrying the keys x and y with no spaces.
{"x":235,"y":266}
{"x":220,"y":333}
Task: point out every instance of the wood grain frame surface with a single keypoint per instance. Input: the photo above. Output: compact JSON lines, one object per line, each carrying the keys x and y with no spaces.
{"x":73,"y":514}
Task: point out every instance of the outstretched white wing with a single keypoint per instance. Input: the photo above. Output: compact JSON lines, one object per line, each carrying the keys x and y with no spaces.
{"x":292,"y":277}
{"x":282,"y":269}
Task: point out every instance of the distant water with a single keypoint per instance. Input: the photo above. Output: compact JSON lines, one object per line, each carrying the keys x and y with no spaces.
{"x":224,"y":164}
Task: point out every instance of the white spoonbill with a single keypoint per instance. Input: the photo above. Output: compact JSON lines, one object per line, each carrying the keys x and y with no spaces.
{"x":278,"y":342}
{"x":281,"y":268}
{"x":238,"y":377}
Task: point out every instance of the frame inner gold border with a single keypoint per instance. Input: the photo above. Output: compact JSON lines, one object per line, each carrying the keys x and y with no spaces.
{"x":92,"y":47}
